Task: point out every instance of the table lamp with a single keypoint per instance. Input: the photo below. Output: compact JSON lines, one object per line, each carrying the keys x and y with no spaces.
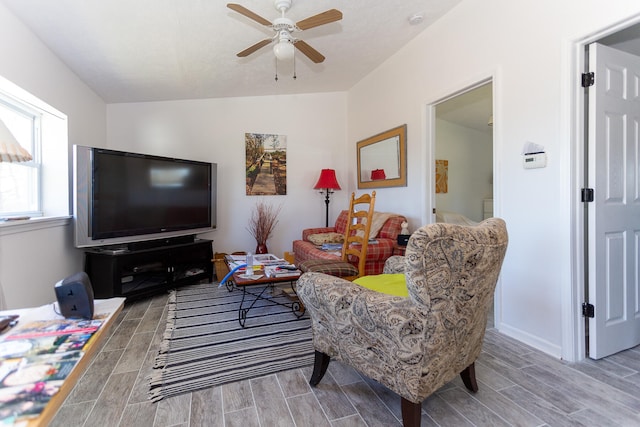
{"x":327,"y":183}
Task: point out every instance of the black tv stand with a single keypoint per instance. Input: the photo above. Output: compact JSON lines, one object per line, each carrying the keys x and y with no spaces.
{"x":158,"y":243}
{"x":149,"y":269}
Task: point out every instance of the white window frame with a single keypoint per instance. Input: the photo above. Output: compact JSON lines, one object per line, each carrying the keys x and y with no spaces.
{"x":34,"y":147}
{"x":52,"y":157}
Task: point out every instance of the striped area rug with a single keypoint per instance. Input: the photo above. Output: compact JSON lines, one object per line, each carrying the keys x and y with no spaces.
{"x":205,"y":346}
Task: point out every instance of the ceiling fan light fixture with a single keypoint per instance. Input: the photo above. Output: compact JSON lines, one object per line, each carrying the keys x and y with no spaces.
{"x":284,"y":49}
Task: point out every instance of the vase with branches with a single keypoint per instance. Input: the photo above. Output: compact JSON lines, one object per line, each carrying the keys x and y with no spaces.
{"x":264,"y":219}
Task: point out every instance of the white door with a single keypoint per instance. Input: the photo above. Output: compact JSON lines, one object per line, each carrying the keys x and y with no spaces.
{"x":614,"y":216}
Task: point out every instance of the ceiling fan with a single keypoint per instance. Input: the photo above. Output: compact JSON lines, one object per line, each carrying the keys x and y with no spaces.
{"x":284,"y":27}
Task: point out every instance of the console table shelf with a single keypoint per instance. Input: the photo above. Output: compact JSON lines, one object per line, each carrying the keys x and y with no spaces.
{"x":107,"y":309}
{"x":142,"y":272}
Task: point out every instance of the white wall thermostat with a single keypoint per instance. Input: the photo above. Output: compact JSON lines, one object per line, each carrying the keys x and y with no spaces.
{"x":534,"y":160}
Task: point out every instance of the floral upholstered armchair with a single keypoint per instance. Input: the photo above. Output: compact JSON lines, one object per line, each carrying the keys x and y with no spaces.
{"x":415,"y":344}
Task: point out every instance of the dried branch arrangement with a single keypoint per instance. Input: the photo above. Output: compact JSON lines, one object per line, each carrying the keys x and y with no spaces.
{"x":263,"y":220}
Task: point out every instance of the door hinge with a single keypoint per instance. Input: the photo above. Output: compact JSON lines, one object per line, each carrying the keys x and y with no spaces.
{"x":588,"y":310}
{"x":587,"y":194}
{"x":588,"y":79}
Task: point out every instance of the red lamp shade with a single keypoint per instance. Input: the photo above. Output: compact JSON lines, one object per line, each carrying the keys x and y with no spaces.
{"x":327,"y":180}
{"x":377,"y":174}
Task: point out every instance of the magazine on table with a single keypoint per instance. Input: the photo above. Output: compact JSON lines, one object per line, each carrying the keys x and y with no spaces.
{"x":268,"y":260}
{"x":44,"y":345}
{"x":35,"y":359}
{"x":41,"y":328}
{"x":20,"y":371}
{"x":21,"y":403}
{"x":285,"y":270}
{"x":260,"y":261}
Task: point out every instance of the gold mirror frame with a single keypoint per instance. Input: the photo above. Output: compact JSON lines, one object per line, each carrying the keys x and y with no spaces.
{"x":385,"y":156}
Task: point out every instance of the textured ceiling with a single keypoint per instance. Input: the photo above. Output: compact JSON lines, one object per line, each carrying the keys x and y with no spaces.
{"x":471,"y":109}
{"x":152,"y":50}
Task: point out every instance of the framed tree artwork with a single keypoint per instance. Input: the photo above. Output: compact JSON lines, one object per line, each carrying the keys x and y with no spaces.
{"x":265,"y":164}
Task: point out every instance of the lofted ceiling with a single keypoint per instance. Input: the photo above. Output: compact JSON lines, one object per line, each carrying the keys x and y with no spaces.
{"x":153,"y":50}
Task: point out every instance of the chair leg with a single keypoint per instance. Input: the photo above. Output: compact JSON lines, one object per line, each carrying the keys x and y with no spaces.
{"x":320,"y":365}
{"x":469,"y":377}
{"x":411,"y":413}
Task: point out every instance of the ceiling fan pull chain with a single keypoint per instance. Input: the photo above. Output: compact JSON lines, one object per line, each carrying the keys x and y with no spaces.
{"x":294,"y":67}
{"x":276,"y":69}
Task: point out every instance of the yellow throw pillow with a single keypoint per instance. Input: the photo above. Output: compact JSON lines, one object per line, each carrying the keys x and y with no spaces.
{"x":391,"y":284}
{"x":320,"y":239}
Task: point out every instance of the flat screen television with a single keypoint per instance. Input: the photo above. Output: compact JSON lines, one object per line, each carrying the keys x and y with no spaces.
{"x":122,"y":198}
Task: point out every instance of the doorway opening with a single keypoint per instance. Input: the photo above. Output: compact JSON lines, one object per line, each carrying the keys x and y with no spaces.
{"x":464,"y":156}
{"x":464,"y":152}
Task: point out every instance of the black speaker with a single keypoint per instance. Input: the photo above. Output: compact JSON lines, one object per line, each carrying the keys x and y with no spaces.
{"x":75,"y":296}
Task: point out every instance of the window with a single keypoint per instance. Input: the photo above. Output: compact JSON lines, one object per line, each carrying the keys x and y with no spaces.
{"x":20,"y":181}
{"x":39,"y":187}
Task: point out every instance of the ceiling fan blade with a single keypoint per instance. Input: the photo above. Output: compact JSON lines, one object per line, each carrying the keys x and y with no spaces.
{"x":310,"y":52}
{"x":248,"y":51}
{"x":246,"y":12}
{"x":331,"y":15}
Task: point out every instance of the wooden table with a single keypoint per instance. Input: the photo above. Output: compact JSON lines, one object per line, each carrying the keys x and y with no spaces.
{"x":264,"y":283}
{"x":108,"y":307}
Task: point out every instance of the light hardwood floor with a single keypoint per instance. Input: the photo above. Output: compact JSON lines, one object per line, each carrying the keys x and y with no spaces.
{"x":519,"y":386}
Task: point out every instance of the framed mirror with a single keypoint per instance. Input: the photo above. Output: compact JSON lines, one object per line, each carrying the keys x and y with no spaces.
{"x":382,"y":159}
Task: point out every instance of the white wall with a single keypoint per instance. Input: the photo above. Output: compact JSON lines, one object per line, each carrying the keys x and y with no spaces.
{"x":526,"y":46}
{"x":31,"y":262}
{"x":470,"y":177}
{"x":213,"y":130}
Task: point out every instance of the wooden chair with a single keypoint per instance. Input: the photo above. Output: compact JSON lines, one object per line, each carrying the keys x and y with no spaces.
{"x":356,"y":241}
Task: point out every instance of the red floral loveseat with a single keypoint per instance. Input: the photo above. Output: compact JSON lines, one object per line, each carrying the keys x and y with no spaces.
{"x":385,"y":244}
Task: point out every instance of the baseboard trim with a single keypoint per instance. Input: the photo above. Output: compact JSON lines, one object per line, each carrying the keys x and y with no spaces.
{"x":531,"y":340}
